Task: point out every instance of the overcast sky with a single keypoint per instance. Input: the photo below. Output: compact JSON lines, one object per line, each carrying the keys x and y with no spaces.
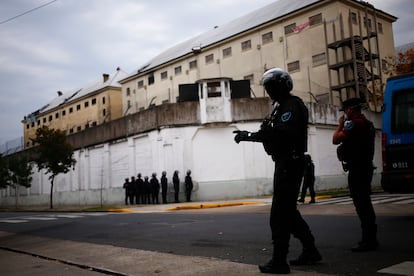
{"x":68,"y":43}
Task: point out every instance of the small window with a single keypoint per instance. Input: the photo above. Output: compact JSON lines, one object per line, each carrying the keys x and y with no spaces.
{"x":38,"y":122}
{"x":227,"y":52}
{"x":151,"y":79}
{"x":94,"y":124}
{"x":246,"y":45}
{"x":27,"y":126}
{"x":50,"y":118}
{"x":128,"y":92}
{"x":86,"y":104}
{"x":140,"y":84}
{"x":70,"y":109}
{"x":380,"y":29}
{"x":71,"y":130}
{"x":63,"y":112}
{"x":209,"y":58}
{"x":293,"y":66}
{"x":249,"y":77}
{"x":367,"y":23}
{"x":44,"y":119}
{"x":213,"y":89}
{"x":290,"y":28}
{"x":178,"y":70}
{"x":193,"y":64}
{"x":93,"y":101}
{"x":354,"y":18}
{"x":164,"y":75}
{"x":78,"y":107}
{"x":104,"y":112}
{"x":57,"y":115}
{"x":267,"y":38}
{"x":319,"y":59}
{"x":33,"y":124}
{"x":103,"y":100}
{"x":315,"y":20}
{"x":79,"y":128}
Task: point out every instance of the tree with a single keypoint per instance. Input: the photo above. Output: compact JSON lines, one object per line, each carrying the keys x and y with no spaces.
{"x":405,"y":62}
{"x":53,"y":153}
{"x":4,"y":173}
{"x":20,"y":173}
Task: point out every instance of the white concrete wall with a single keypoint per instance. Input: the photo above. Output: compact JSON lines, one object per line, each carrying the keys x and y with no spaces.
{"x":221,"y":169}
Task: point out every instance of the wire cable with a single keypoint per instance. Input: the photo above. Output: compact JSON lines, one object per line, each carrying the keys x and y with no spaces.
{"x":26,"y":12}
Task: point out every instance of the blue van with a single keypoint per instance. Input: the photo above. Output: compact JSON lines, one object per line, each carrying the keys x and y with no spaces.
{"x":398,"y":134}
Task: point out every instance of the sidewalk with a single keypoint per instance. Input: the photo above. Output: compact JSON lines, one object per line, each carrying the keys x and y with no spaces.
{"x":33,"y":255}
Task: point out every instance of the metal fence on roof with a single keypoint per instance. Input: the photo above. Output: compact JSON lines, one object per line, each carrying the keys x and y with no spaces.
{"x":11,"y":146}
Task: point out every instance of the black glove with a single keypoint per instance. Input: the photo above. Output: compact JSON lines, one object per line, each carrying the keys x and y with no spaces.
{"x":241,"y":135}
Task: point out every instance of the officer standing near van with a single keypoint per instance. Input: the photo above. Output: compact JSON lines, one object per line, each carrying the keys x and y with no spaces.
{"x":356,"y":136}
{"x":284,"y":136}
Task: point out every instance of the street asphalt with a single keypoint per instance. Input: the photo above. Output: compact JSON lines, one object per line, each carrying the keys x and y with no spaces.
{"x":33,"y":255}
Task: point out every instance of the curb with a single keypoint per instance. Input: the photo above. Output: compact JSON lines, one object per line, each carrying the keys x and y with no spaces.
{"x":211,"y":205}
{"x":120,"y":211}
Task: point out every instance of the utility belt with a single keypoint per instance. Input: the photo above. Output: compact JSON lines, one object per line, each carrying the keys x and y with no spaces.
{"x":294,"y":155}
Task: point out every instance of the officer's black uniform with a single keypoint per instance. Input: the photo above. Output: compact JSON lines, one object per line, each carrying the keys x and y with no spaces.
{"x":308,"y":180}
{"x":155,"y":189}
{"x":357,"y":135}
{"x":284,"y":137}
{"x":164,"y":187}
{"x":176,"y":183}
{"x":188,"y":186}
{"x":140,"y":189}
{"x":127,"y":187}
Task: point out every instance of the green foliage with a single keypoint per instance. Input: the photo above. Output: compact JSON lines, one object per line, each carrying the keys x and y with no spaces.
{"x":4,"y":173}
{"x":15,"y":170}
{"x":53,"y":153}
{"x":20,"y":171}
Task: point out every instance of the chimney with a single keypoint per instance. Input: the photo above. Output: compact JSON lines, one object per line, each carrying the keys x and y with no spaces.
{"x":59,"y":93}
{"x":105,"y":77}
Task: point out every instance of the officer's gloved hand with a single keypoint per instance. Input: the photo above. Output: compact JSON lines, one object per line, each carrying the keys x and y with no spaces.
{"x":241,"y":135}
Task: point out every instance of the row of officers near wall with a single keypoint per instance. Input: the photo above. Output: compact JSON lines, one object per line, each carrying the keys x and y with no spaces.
{"x":142,"y":190}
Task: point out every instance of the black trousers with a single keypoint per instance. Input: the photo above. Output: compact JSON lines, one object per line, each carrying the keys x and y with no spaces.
{"x":359,"y":181}
{"x":285,"y":219}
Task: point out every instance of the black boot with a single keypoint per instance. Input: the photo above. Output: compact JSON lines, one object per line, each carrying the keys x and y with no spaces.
{"x":309,"y":256}
{"x":275,"y":267}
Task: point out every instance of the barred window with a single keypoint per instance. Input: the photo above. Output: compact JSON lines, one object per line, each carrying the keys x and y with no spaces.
{"x":164,"y":75}
{"x":141,"y":84}
{"x":319,"y":59}
{"x":290,"y":28}
{"x":177,"y":70}
{"x":380,"y":29}
{"x":267,"y":37}
{"x":209,"y":58}
{"x":293,"y":66}
{"x":227,"y":52}
{"x":246,"y":45}
{"x":315,"y":19}
{"x":354,"y":18}
{"x":151,"y":79}
{"x":193,"y":64}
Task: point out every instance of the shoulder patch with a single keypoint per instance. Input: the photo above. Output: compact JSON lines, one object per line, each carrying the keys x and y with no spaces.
{"x":348,"y":125}
{"x":286,"y":116}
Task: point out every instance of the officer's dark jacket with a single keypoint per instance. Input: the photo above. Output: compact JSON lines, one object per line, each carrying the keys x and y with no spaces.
{"x":284,"y":133}
{"x":359,"y":142}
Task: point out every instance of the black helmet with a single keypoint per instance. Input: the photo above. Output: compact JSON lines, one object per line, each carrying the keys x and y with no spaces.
{"x":277,"y":83}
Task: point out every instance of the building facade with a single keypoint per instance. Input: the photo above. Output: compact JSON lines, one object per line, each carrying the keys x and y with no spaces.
{"x":332,"y":49}
{"x":91,"y":105}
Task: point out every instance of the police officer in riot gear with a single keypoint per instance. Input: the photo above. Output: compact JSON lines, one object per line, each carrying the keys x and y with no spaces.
{"x":284,"y":136}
